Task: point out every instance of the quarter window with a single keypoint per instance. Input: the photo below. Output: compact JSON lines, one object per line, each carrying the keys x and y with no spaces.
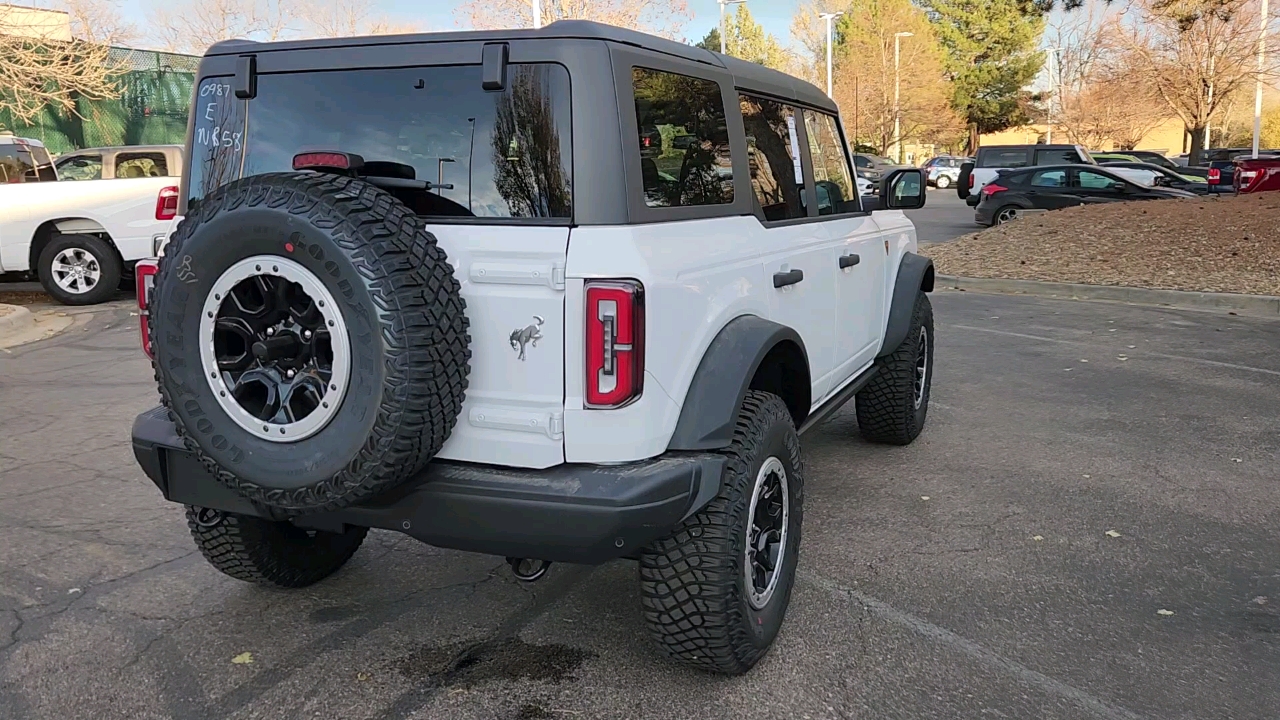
{"x":1049,"y":179}
{"x":81,"y":167}
{"x":773,"y":155}
{"x":684,"y":140}
{"x":138,"y":165}
{"x":832,"y":176}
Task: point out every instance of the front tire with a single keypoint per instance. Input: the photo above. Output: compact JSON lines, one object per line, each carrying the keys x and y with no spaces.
{"x":893,"y":406}
{"x":277,"y":554}
{"x":943,"y":182}
{"x":715,"y":593}
{"x":79,"y":269}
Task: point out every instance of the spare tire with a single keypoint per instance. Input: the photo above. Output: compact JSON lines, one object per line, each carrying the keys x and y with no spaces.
{"x":310,"y":340}
{"x":962,"y":182}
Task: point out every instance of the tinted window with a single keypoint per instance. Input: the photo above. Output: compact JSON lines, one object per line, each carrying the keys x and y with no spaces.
{"x":1057,"y":157}
{"x":773,"y":154}
{"x":136,"y":165}
{"x":80,"y":167}
{"x":1094,"y":181}
{"x":486,"y":154}
{"x":1049,"y":179}
{"x":684,"y":140}
{"x":17,"y":163}
{"x":862,"y":161}
{"x":1002,"y":158}
{"x":831,"y":172}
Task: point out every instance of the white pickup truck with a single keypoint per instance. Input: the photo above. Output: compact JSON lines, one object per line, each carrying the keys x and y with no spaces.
{"x":82,"y":233}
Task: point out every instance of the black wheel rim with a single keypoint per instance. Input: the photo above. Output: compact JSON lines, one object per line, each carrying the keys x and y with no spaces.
{"x":767,"y":532}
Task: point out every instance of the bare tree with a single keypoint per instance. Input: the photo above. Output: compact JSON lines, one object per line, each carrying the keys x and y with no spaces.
{"x":194,"y":25}
{"x":1196,"y":62}
{"x":51,"y":59}
{"x":663,"y":17}
{"x":347,"y":18}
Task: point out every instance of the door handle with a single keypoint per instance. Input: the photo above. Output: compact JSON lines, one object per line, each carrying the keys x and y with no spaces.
{"x":848,"y":261}
{"x":783,"y":279}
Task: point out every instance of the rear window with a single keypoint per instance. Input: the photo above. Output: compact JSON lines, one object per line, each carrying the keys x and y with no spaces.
{"x":504,"y":154}
{"x":1012,"y":158}
{"x":22,"y":163}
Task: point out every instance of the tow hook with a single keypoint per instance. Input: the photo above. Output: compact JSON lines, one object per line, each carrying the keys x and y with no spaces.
{"x":528,"y":569}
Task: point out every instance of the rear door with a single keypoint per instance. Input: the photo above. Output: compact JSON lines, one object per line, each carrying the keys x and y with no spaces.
{"x":499,"y":201}
{"x":1049,"y":189}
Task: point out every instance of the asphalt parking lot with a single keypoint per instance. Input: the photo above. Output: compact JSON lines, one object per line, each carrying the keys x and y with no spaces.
{"x":943,"y":218}
{"x":1086,"y":529}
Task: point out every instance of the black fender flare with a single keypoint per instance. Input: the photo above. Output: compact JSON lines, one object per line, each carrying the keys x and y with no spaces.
{"x":723,"y":378}
{"x":915,"y":274}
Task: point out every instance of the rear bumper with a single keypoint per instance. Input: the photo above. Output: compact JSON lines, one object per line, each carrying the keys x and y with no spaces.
{"x":570,"y":513}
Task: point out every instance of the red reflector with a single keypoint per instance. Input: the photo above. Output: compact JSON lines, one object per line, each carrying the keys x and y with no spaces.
{"x":167,"y":203}
{"x":992,"y":189}
{"x":615,"y":342}
{"x":144,"y":274}
{"x":341,"y":161}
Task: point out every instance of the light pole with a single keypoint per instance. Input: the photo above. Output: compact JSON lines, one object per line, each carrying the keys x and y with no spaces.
{"x":829,"y":17}
{"x":722,"y":3}
{"x":897,"y":81}
{"x":1053,"y":91}
{"x":537,"y":14}
{"x":1257,"y":90}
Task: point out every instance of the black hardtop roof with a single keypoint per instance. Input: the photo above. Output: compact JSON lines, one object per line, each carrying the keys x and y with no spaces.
{"x":746,"y":74}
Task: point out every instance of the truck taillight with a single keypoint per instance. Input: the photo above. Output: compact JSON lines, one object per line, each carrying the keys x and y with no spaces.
{"x":167,"y":203}
{"x":1215,"y":176}
{"x":615,"y":342}
{"x":144,"y":274}
{"x":970,"y":182}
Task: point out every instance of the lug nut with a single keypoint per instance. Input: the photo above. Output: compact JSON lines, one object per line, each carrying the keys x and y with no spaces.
{"x":289,"y":373}
{"x":306,"y":334}
{"x":271,"y":331}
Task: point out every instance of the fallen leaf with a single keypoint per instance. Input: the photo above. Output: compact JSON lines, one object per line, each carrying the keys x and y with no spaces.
{"x":1260,"y":600}
{"x":1037,"y":538}
{"x":1112,"y":533}
{"x":1086,"y":476}
{"x":362,"y":676}
{"x":1132,"y":347}
{"x":924,"y":497}
{"x":73,"y":591}
{"x":1122,"y":358}
{"x":1112,"y":330}
{"x":1162,"y":611}
{"x":1236,"y":460}
{"x":1083,"y":360}
{"x":243,"y":658}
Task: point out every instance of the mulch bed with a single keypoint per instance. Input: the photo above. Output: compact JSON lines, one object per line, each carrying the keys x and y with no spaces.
{"x":1225,"y":244}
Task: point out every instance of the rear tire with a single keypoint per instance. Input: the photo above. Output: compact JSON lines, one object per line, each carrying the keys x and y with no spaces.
{"x":277,"y":554}
{"x":79,"y":269}
{"x":1008,"y":213}
{"x":698,"y":600}
{"x":893,"y":406}
{"x":943,"y":182}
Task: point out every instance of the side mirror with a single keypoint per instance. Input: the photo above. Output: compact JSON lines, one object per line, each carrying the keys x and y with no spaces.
{"x":902,"y":189}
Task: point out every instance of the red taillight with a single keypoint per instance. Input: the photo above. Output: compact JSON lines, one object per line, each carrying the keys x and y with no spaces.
{"x":144,"y":274}
{"x":167,"y":203}
{"x":615,"y":342}
{"x":971,"y":182}
{"x":1215,"y":176}
{"x":991,"y":189}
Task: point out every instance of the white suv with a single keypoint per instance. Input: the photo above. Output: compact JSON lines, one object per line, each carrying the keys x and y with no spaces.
{"x":570,"y":294}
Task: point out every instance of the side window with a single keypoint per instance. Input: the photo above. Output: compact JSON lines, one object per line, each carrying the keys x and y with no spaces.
{"x":1003,"y":159}
{"x":684,"y":140}
{"x":80,"y":167}
{"x":1094,"y":181}
{"x":137,"y":165}
{"x":831,"y":173}
{"x":1057,"y":157}
{"x":17,"y":163}
{"x":43,"y":164}
{"x":862,"y":161}
{"x":1049,"y":179}
{"x":773,"y":155}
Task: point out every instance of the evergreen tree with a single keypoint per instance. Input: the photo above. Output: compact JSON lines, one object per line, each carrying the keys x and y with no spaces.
{"x":745,"y":38}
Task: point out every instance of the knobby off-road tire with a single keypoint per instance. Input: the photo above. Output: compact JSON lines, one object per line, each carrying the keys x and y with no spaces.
{"x":893,"y":406}
{"x":100,"y":270}
{"x":270,"y":553}
{"x":391,"y":287}
{"x":694,"y":588}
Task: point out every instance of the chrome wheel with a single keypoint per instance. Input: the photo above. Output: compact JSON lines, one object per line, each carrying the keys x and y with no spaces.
{"x":922,"y":366}
{"x":274,"y":348}
{"x":766,"y":532}
{"x":76,"y":270}
{"x":1006,"y":214}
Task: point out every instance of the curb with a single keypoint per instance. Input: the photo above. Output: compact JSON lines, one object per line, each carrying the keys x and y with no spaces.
{"x":1261,"y":305}
{"x":18,"y":318}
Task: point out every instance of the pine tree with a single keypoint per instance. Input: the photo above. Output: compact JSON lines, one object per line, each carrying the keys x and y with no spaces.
{"x":745,"y":38}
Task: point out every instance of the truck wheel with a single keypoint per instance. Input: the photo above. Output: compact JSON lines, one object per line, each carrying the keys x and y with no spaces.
{"x":714,"y":593}
{"x":310,"y":340}
{"x":270,"y":553}
{"x":892,"y":407}
{"x":79,"y":269}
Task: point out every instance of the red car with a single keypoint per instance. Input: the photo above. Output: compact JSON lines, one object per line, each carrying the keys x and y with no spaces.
{"x":1257,"y":174}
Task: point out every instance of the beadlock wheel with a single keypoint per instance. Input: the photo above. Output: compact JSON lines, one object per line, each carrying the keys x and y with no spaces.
{"x":274,"y":348}
{"x":766,"y":532}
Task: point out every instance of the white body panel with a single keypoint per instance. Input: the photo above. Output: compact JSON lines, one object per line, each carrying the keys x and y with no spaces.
{"x":124,"y":209}
{"x":511,"y":278}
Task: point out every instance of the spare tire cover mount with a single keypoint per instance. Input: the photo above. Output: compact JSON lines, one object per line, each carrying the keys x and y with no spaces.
{"x":274,"y":348}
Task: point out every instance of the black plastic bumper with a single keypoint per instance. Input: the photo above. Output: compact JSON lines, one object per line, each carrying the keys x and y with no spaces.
{"x":570,"y":513}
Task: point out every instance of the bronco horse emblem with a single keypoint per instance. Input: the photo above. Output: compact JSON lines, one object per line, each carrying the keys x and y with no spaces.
{"x":527,"y":335}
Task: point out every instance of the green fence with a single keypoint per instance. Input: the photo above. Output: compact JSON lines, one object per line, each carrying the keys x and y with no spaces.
{"x":155,"y":97}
